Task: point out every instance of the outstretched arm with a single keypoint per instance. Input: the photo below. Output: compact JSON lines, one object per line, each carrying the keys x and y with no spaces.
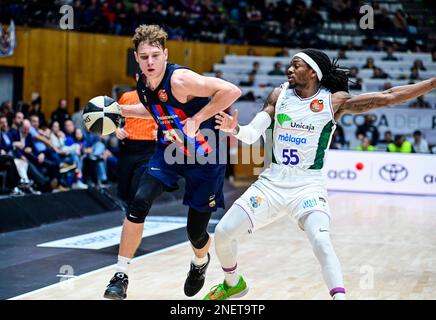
{"x":135,"y":111}
{"x":343,"y":102}
{"x":251,"y":132}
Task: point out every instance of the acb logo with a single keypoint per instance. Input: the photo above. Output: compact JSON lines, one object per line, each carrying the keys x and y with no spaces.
{"x":342,"y":174}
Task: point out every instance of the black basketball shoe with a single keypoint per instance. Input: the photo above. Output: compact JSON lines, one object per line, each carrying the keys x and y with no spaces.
{"x":195,"y":280}
{"x":117,"y":287}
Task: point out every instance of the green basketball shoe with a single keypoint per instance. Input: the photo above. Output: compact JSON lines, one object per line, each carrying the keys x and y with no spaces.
{"x":223,"y":292}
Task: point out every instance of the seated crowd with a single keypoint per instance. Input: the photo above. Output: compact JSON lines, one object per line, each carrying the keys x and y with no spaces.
{"x":367,"y":138}
{"x":50,"y":156}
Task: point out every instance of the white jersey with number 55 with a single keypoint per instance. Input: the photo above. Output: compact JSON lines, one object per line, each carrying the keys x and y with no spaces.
{"x":303,"y":128}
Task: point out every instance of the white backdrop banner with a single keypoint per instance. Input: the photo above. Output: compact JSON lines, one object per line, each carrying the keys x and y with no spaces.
{"x":398,"y":120}
{"x":381,"y":172}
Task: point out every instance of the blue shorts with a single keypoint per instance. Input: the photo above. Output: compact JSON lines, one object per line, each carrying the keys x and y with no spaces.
{"x":204,"y":182}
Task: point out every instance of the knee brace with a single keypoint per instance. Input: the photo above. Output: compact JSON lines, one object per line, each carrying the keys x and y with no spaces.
{"x":138,"y":209}
{"x":149,"y":189}
{"x":197,"y":228}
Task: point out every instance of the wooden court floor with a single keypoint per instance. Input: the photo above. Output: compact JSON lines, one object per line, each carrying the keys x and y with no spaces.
{"x":386,"y":244}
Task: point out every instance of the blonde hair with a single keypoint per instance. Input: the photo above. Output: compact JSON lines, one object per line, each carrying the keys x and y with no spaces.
{"x":151,"y":34}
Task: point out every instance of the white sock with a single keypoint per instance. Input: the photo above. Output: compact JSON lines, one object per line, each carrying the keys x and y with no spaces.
{"x":339,"y":296}
{"x":231,"y":276}
{"x":199,"y":261}
{"x":123,"y":264}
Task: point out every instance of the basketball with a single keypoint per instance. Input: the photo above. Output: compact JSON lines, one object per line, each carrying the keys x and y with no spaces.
{"x":102,"y":115}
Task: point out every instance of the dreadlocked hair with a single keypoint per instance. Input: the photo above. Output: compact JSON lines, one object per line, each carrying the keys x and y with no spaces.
{"x":334,"y":78}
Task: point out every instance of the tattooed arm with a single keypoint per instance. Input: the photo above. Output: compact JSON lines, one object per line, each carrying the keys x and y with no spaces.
{"x":344,"y":103}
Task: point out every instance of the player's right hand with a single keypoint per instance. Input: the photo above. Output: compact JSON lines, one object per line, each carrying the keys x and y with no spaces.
{"x":121,"y":133}
{"x":225,"y":122}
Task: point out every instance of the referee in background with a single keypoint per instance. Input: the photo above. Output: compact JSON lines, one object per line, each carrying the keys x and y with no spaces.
{"x":137,"y":142}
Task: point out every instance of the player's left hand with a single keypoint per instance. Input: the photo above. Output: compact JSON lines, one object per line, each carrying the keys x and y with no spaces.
{"x":191,"y":127}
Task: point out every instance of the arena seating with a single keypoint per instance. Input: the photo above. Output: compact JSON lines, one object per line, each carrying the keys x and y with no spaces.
{"x":236,"y":69}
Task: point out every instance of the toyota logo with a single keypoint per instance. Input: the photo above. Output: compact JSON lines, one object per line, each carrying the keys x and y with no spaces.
{"x":393,"y":172}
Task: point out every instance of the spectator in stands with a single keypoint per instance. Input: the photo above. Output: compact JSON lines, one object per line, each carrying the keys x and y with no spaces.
{"x":355,"y":81}
{"x":255,"y":69}
{"x":61,"y":113}
{"x":20,"y":164}
{"x":69,"y":132}
{"x":420,"y":145}
{"x":251,"y":82}
{"x":418,"y":64}
{"x":278,"y":70}
{"x":340,"y":10}
{"x":433,"y":54}
{"x":41,"y":140}
{"x":382,"y":19}
{"x":77,"y":119}
{"x":399,"y":21}
{"x":338,"y":138}
{"x":253,"y":14}
{"x":412,"y":24}
{"x":420,"y":103}
{"x":35,"y":110}
{"x":7,"y":110}
{"x":380,"y":46}
{"x":341,"y":54}
{"x":368,"y":129}
{"x":387,"y":85}
{"x":7,"y":163}
{"x":42,"y":145}
{"x":390,"y":55}
{"x":248,"y":96}
{"x":121,"y":19}
{"x":369,"y":63}
{"x":17,"y":120}
{"x":176,"y":33}
{"x":24,"y":146}
{"x":6,"y":143}
{"x":414,"y":75}
{"x":23,"y":107}
{"x":365,"y":145}
{"x":400,"y":144}
{"x":70,"y":154}
{"x":92,"y":150}
{"x":378,"y":73}
{"x":387,"y":138}
{"x":219,"y":74}
{"x":349,"y":46}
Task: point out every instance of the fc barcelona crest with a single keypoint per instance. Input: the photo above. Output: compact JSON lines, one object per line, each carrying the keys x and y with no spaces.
{"x":316,"y":105}
{"x":162,"y":95}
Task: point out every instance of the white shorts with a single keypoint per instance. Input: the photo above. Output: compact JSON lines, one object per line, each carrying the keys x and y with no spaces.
{"x":281,"y":191}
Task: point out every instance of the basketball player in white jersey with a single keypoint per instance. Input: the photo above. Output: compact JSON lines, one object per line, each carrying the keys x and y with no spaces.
{"x":303,"y":113}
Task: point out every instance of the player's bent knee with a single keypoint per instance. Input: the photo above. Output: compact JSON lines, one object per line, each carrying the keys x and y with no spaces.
{"x":221,"y":232}
{"x":197,"y":227}
{"x":138,"y":210}
{"x":198,"y":240}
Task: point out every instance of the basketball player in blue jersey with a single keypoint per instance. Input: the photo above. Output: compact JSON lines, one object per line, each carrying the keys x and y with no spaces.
{"x":183,"y":104}
{"x":303,"y":113}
